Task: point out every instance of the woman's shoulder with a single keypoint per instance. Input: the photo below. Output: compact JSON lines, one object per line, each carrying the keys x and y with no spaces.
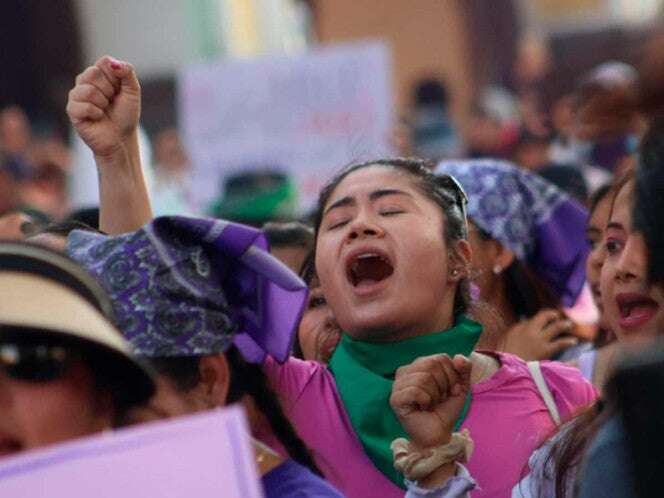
{"x":294,"y":376}
{"x":570,"y":390}
{"x":569,"y":379}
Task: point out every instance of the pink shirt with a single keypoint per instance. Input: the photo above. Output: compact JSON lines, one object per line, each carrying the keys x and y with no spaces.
{"x":507,"y":420}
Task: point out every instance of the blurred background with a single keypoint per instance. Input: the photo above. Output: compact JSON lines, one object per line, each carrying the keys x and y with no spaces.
{"x":451,"y":78}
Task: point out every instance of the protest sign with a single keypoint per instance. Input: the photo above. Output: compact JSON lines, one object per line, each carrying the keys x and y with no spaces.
{"x":202,"y":456}
{"x":307,"y":115}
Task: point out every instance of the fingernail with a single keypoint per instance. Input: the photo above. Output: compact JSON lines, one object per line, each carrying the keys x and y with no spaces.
{"x":116,"y":64}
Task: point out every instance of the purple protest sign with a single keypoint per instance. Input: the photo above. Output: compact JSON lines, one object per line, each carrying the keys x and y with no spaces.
{"x":206,"y":455}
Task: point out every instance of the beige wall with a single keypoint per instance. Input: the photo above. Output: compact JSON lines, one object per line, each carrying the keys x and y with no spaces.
{"x":426,"y":37}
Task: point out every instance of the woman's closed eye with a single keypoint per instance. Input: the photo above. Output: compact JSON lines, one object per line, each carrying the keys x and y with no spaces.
{"x":391,"y":212}
{"x":337,"y":223}
{"x":389,"y":209}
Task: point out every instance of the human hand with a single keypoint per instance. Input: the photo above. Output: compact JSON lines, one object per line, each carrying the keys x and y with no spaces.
{"x":539,"y":337}
{"x":428,"y":397}
{"x":105,"y":105}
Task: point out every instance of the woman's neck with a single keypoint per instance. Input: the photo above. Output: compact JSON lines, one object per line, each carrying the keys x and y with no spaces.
{"x":432,"y":325}
{"x":500,"y":300}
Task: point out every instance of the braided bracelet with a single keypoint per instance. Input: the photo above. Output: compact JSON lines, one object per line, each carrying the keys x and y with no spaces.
{"x":416,"y":465}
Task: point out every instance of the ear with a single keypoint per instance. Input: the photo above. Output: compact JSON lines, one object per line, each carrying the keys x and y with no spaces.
{"x":215,"y":379}
{"x":500,"y":256}
{"x":461,"y":255}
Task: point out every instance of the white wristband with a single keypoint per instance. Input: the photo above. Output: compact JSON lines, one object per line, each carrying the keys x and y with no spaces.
{"x":416,"y":465}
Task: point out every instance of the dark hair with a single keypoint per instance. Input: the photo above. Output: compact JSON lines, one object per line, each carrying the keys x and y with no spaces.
{"x":568,"y":449}
{"x":87,"y":216}
{"x":437,"y":188}
{"x":430,"y":91}
{"x":526,"y":291}
{"x":308,"y":274}
{"x":289,"y":234}
{"x":246,"y":379}
{"x":649,"y":197}
{"x":567,"y":178}
{"x":599,"y":195}
{"x":64,"y":228}
{"x":617,"y":186}
{"x":308,"y":269}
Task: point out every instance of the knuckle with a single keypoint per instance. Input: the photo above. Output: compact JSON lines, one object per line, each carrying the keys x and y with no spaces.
{"x":426,"y":363}
{"x":88,"y":92}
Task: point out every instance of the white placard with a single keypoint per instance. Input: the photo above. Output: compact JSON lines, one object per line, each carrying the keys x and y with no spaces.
{"x":306,"y":115}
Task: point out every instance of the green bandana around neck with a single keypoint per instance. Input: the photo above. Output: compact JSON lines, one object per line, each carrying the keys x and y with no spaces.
{"x":364,"y":374}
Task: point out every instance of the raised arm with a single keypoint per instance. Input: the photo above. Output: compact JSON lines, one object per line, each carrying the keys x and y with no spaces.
{"x":104,"y":107}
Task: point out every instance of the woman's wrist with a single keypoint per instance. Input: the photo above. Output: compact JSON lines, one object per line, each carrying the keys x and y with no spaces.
{"x":438,"y":477}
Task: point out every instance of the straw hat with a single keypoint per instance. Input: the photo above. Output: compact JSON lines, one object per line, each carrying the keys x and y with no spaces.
{"x":45,"y":294}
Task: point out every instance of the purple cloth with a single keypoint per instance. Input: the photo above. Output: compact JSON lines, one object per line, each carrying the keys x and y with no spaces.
{"x":186,"y":286}
{"x":539,"y":223}
{"x":292,"y":480}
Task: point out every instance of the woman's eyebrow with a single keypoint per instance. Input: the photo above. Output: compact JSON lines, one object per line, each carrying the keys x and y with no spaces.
{"x":377,"y":194}
{"x":373,"y":196}
{"x":344,"y":201}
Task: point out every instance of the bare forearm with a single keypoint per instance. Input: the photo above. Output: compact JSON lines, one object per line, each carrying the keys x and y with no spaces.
{"x":124,"y":199}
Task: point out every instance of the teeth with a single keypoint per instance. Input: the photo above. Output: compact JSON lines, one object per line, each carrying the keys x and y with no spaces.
{"x":372,"y":255}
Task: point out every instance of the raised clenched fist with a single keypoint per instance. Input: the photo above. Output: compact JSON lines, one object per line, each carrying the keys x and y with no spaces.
{"x":105,"y":105}
{"x":428,"y":397}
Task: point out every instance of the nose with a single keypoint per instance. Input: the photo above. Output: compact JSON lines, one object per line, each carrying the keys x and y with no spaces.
{"x":633,"y":260}
{"x":364,"y":226}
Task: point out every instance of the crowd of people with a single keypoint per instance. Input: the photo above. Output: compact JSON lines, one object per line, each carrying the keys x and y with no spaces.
{"x":481,"y":320}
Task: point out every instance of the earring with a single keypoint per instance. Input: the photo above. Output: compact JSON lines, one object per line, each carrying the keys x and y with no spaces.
{"x":497,"y":270}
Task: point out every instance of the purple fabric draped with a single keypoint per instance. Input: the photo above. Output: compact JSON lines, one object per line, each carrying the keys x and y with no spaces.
{"x":539,"y":223}
{"x":187,"y":286}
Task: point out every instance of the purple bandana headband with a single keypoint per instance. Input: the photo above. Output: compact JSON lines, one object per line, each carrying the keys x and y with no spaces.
{"x":185,"y":286}
{"x":530,"y":216}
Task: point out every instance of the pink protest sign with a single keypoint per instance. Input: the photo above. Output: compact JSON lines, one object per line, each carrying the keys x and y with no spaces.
{"x":203,"y":456}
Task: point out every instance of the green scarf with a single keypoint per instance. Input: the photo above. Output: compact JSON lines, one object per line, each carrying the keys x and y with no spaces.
{"x":364,"y":374}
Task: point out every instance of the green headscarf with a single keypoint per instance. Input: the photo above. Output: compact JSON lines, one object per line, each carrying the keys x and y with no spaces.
{"x":364,"y":374}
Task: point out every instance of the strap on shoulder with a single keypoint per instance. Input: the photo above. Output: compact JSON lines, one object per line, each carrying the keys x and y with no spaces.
{"x":536,"y":372}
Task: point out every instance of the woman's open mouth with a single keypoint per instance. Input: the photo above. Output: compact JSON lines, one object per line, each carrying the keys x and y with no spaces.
{"x":635,"y":310}
{"x":367,"y":268}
